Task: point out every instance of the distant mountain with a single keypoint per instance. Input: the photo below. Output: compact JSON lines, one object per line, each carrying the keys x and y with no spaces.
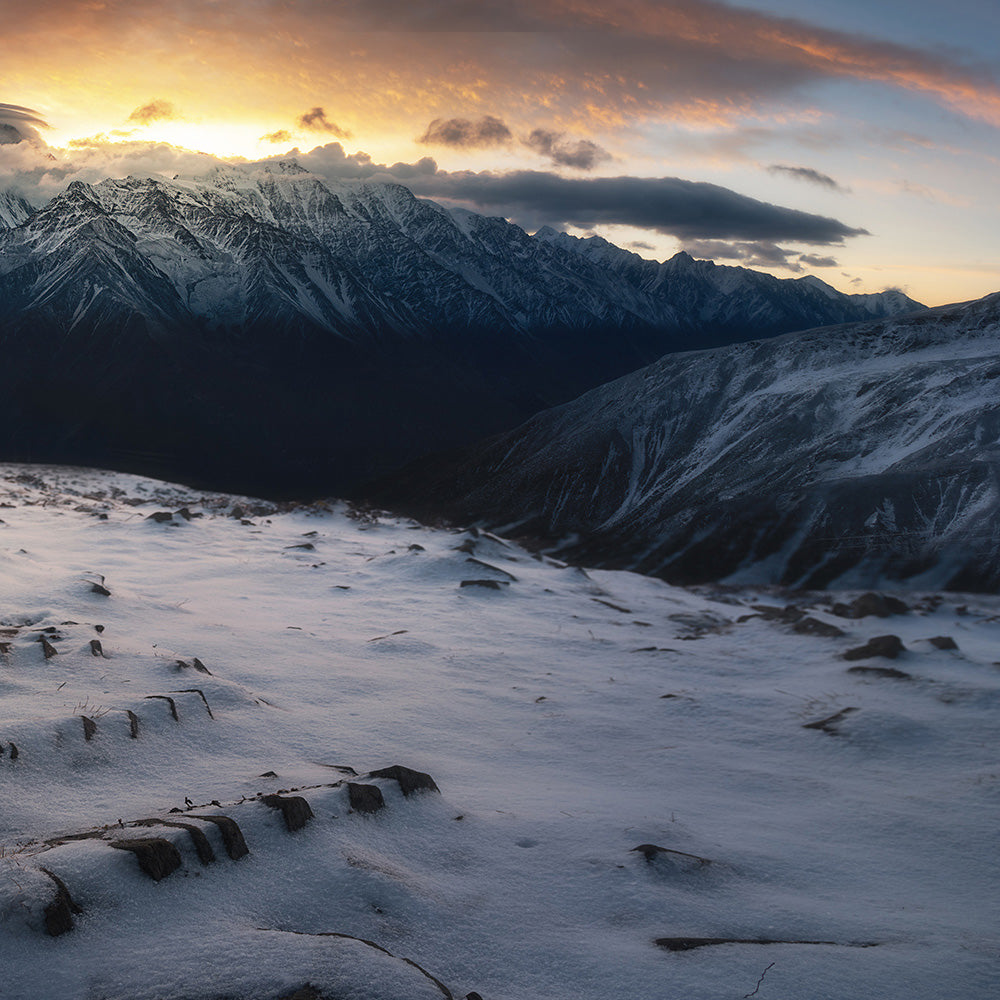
{"x":14,"y":210}
{"x":843,"y":454}
{"x":259,"y":329}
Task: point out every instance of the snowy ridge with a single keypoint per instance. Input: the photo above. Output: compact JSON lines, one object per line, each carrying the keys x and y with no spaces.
{"x":261,"y":752}
{"x":13,"y":210}
{"x":259,"y":329}
{"x":868,"y":449}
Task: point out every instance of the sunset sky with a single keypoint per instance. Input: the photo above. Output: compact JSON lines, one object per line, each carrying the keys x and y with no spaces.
{"x":869,"y":129}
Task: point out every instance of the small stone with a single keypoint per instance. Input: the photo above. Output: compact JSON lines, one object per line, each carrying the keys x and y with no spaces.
{"x":888,"y":672}
{"x":294,"y":809}
{"x":889,"y":646}
{"x":232,"y":835}
{"x":157,"y":857}
{"x":89,"y":728}
{"x":96,"y":649}
{"x":133,"y":724}
{"x":160,"y":516}
{"x":99,"y":588}
{"x":365,"y":798}
{"x":830,"y":723}
{"x":60,"y":912}
{"x":943,"y":642}
{"x":409,"y":781}
{"x":487,"y":584}
{"x":47,"y":648}
{"x":813,"y":626}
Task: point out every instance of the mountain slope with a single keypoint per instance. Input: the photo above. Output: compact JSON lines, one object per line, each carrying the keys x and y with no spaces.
{"x":868,"y":449}
{"x":259,"y":329}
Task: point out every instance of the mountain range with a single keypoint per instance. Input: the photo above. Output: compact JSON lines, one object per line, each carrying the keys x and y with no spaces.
{"x":841,"y":456}
{"x":257,"y":328}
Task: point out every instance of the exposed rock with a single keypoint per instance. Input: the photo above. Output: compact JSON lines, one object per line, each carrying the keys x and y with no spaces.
{"x":47,"y":648}
{"x":160,"y":516}
{"x":169,"y":701}
{"x":294,"y":809}
{"x":201,"y":843}
{"x":232,"y":835}
{"x":60,"y":912}
{"x":99,"y":588}
{"x":687,"y":943}
{"x":96,"y":649}
{"x":652,"y":851}
{"x":89,"y":728}
{"x":133,"y":724}
{"x":943,"y":642}
{"x":830,"y":723}
{"x":879,"y":605}
{"x":157,"y":857}
{"x":881,"y":672}
{"x":488,"y":584}
{"x":409,"y":781}
{"x":365,"y":798}
{"x":813,"y":626}
{"x":889,"y":646}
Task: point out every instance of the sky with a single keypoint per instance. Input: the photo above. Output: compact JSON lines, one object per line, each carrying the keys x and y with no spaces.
{"x":853,"y":140}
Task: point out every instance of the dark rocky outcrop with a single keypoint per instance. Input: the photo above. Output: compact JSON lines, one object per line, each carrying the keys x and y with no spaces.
{"x":889,"y":646}
{"x":295,"y":810}
{"x":410,"y":781}
{"x":157,"y":857}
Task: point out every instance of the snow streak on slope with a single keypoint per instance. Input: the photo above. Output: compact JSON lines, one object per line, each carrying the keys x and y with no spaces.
{"x":868,"y":449}
{"x":618,"y":763}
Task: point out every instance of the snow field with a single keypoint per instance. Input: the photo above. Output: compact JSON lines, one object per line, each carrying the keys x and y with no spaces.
{"x":566,"y":717}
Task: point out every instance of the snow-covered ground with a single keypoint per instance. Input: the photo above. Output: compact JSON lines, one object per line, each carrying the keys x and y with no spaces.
{"x":566,"y":718}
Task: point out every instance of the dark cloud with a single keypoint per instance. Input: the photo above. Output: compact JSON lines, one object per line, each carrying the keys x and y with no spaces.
{"x":17,"y":124}
{"x":315,"y":120}
{"x":760,"y":253}
{"x":582,"y":154}
{"x":686,"y":209}
{"x":282,"y":135}
{"x":806,"y":174}
{"x":640,"y":245}
{"x":463,"y":133}
{"x":813,"y":260}
{"x":154,"y":111}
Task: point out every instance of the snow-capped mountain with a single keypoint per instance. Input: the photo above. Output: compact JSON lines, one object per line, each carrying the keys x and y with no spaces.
{"x":835,"y":455}
{"x":260,"y":316}
{"x":14,"y":210}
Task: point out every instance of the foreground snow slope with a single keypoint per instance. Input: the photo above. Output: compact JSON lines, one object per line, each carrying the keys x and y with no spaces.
{"x":566,"y":718}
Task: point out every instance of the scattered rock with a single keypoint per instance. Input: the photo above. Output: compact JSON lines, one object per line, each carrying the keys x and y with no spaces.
{"x":495,"y":569}
{"x":468,"y":547}
{"x":943,"y":642}
{"x":415,"y":548}
{"x":687,"y":943}
{"x":99,"y":588}
{"x":232,"y":835}
{"x":294,"y":809}
{"x":47,"y":648}
{"x":308,"y":546}
{"x":881,"y":672}
{"x":14,"y":752}
{"x":651,"y":851}
{"x":830,"y":723}
{"x":365,"y":798}
{"x":813,"y":626}
{"x":161,"y":516}
{"x":879,"y":605}
{"x":201,"y":843}
{"x":409,"y":781}
{"x":889,"y":646}
{"x":787,"y":615}
{"x":96,"y":649}
{"x":89,"y":728}
{"x":60,"y":912}
{"x":238,"y":513}
{"x":157,"y":857}
{"x":133,"y":724}
{"x":488,"y":584}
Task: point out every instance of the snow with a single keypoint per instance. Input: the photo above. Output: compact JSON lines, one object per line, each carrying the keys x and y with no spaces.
{"x":566,"y":717}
